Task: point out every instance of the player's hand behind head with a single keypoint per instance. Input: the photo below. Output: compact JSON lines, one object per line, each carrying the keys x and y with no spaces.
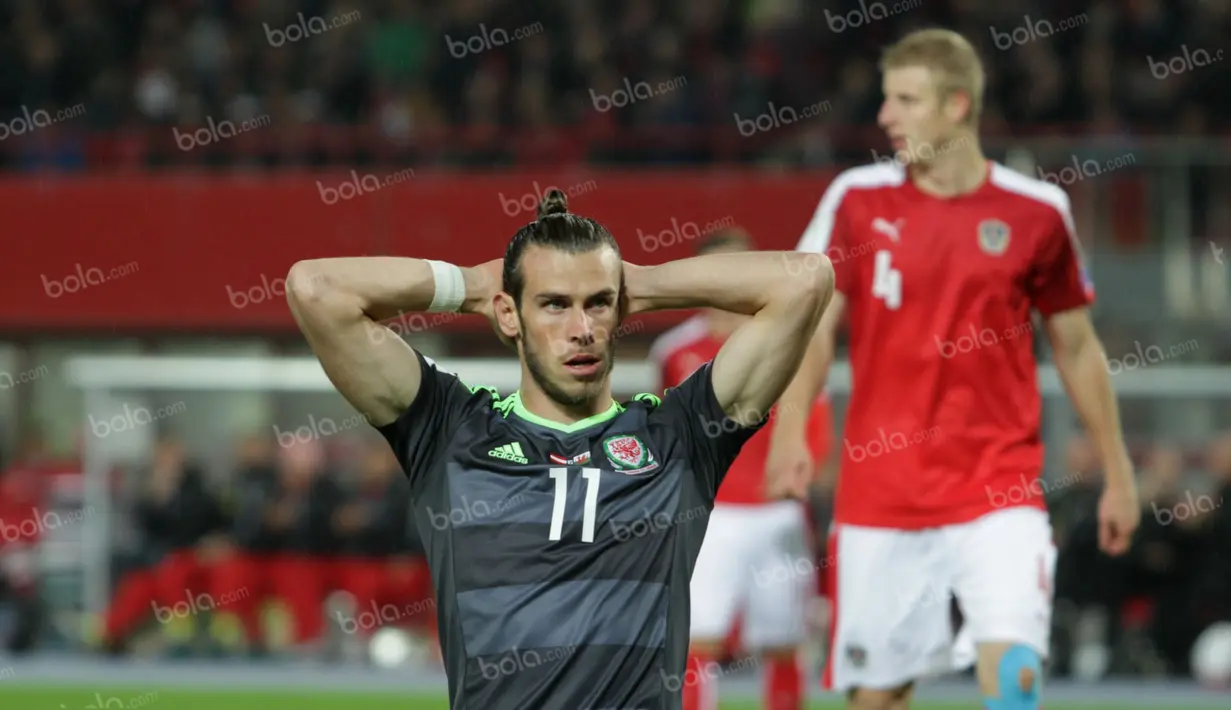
{"x":490,"y":278}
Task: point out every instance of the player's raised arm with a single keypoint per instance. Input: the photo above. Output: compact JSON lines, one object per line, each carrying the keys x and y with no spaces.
{"x":789,"y":464}
{"x":785,"y":292}
{"x":338,"y":304}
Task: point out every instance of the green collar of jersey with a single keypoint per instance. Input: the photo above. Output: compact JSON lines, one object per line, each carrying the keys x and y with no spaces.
{"x":513,"y":404}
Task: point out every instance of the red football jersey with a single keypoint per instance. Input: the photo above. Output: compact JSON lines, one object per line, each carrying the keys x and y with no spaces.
{"x":943,"y":424}
{"x":688,"y":346}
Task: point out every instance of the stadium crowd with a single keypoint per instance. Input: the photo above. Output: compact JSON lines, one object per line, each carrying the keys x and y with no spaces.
{"x":318,"y":81}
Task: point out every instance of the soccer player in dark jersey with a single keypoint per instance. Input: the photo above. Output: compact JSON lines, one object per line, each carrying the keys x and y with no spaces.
{"x":561,"y":527}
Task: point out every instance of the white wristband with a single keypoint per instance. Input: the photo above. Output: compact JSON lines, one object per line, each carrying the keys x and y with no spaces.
{"x":450,"y":287}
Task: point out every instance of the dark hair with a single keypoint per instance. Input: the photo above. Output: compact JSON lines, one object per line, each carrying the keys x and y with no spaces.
{"x":555,"y":228}
{"x":727,"y":237}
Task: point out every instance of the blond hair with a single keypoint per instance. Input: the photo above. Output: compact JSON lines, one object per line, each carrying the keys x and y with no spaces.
{"x":950,"y":57}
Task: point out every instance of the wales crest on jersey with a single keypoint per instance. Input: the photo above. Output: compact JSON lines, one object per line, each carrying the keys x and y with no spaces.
{"x":628,"y":454}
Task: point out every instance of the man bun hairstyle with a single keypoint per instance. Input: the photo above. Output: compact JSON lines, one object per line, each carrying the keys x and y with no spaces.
{"x":555,"y":228}
{"x":554,"y":202}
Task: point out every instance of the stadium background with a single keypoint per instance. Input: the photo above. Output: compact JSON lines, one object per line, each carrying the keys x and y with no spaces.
{"x":166,"y":162}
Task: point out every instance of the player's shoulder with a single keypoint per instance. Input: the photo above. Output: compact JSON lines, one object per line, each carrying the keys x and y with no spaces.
{"x":1022,"y":188}
{"x":677,"y":338}
{"x":466,"y":394}
{"x":873,"y":176}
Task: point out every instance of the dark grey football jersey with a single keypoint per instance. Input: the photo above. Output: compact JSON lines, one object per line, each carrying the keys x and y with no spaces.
{"x":561,"y":555}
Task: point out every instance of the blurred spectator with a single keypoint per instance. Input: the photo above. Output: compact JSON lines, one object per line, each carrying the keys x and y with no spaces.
{"x":182,"y":523}
{"x":283,"y":530}
{"x":1165,"y":558}
{"x":1214,"y":587}
{"x":22,"y":496}
{"x":387,"y":581}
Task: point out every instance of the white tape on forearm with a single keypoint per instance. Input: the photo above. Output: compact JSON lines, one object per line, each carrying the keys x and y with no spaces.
{"x":450,"y":287}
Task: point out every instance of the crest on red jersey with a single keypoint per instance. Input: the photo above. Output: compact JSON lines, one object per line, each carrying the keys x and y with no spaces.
{"x":993,"y":236}
{"x":628,"y":454}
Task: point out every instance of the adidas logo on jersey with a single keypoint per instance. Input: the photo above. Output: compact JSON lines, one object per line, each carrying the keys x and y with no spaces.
{"x":509,"y":452}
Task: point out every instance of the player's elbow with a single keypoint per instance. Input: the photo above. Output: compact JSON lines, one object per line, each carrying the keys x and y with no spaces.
{"x":309,"y":287}
{"x":810,"y":282}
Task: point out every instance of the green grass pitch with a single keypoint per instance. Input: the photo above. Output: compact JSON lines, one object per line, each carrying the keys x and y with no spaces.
{"x":79,"y":698}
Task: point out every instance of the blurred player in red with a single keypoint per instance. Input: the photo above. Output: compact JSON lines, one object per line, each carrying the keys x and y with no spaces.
{"x":941,"y":256}
{"x":754,"y":573}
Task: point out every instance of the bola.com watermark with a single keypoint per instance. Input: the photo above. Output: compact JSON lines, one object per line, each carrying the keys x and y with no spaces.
{"x":317,"y":429}
{"x":920,"y":152}
{"x":308,"y":27}
{"x":1151,"y":355}
{"x":867,"y":13}
{"x":1183,"y":510}
{"x":132,"y":417}
{"x":888,"y":442}
{"x":530,"y":201}
{"x":1035,"y":488}
{"x":469,"y":512}
{"x":40,"y":118}
{"x":632,"y":93}
{"x":733,"y":422}
{"x":85,"y":278}
{"x":405,"y":324}
{"x":361,"y":185}
{"x":382,"y":615}
{"x":1186,"y":61}
{"x":1033,"y":30}
{"x":516,"y":660}
{"x":10,"y":380}
{"x":777,"y":117}
{"x":489,"y":39}
{"x":979,"y":339}
{"x":193,"y":605}
{"x":1085,"y":168}
{"x":214,"y":132}
{"x":652,"y":523}
{"x":118,"y":703}
{"x":40,"y":522}
{"x":706,"y":673}
{"x":678,"y":233}
{"x":790,"y":569}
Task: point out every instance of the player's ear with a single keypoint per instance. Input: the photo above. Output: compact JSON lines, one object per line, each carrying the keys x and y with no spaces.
{"x":506,"y":316}
{"x":957,"y":106}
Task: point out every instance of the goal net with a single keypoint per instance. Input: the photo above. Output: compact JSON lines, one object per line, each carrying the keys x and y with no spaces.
{"x":214,"y":404}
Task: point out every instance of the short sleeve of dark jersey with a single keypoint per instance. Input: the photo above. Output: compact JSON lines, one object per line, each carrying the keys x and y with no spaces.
{"x":704,"y":435}
{"x":424,"y":430}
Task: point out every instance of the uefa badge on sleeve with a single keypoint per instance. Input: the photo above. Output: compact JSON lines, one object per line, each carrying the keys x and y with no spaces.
{"x":993,"y":237}
{"x":628,"y":454}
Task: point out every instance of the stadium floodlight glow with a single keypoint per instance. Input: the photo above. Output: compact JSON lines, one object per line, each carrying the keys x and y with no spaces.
{"x":100,"y":376}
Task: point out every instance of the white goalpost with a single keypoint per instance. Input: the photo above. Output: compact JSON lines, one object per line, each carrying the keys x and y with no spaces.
{"x":101,"y":378}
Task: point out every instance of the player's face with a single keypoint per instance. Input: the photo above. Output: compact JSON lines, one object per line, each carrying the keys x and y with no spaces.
{"x":569,"y":315}
{"x":915,"y":116}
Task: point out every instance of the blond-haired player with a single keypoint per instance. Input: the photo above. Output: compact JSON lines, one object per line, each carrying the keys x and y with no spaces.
{"x":942,"y":258}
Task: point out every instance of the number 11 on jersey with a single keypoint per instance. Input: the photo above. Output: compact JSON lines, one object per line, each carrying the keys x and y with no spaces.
{"x":589,"y":511}
{"x":887,"y":281}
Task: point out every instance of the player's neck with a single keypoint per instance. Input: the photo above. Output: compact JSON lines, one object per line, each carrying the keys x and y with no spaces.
{"x":953,"y":173}
{"x":536,"y":402}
